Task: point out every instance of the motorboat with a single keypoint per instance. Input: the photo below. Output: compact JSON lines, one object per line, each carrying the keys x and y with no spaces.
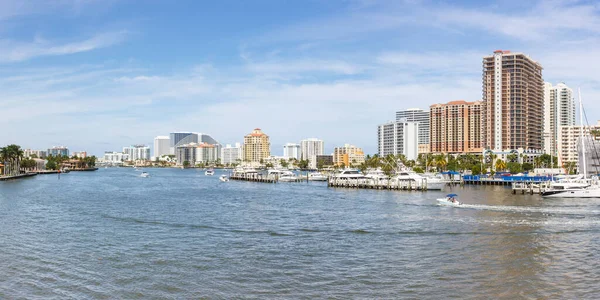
{"x":209,"y":172}
{"x":283,"y":175}
{"x":144,"y":174}
{"x":425,"y":182}
{"x":376,"y":174}
{"x":317,"y":176}
{"x":349,"y":174}
{"x":223,"y":178}
{"x":569,"y":190}
{"x":449,"y":200}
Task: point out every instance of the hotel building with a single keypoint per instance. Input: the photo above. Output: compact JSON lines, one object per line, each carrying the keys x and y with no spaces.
{"x":348,"y":155}
{"x":559,"y":110}
{"x":513,"y":102}
{"x":398,"y":137}
{"x":422,"y":117}
{"x":256,"y":146}
{"x":456,"y":127}
{"x":162,"y":146}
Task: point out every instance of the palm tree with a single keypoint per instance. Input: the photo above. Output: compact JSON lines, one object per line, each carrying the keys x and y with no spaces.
{"x":500,"y":165}
{"x":441,"y":162}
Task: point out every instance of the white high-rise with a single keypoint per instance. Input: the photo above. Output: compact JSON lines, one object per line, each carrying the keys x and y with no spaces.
{"x":162,"y":146}
{"x":309,"y":149}
{"x":399,"y":137}
{"x":291,"y":150}
{"x":420,"y":116}
{"x":559,"y":111}
{"x":137,"y":152}
{"x":232,"y":154}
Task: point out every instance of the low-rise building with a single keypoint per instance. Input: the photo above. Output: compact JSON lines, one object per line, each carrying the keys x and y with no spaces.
{"x":137,"y":152}
{"x":81,"y":154}
{"x":322,"y":161}
{"x":195,"y":153}
{"x":58,"y":150}
{"x":347,"y":156}
{"x":34,"y":153}
{"x":115,"y":157}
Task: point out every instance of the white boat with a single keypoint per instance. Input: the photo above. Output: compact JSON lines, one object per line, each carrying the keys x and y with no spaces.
{"x":449,"y":200}
{"x":349,"y":174}
{"x":144,"y":174}
{"x":428,"y":183}
{"x":223,"y":178}
{"x":283,"y":175}
{"x":209,"y":172}
{"x":316,"y":176}
{"x":376,"y":175}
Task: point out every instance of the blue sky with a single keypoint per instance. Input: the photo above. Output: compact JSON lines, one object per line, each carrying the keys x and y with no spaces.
{"x":100,"y":75}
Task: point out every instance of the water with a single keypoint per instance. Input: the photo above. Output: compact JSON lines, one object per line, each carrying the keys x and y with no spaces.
{"x":179,"y":234}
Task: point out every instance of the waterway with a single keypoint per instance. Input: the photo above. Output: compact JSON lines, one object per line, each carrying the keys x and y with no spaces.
{"x":179,"y":234}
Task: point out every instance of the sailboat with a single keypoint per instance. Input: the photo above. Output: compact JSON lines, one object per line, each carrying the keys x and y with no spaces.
{"x":586,"y":188}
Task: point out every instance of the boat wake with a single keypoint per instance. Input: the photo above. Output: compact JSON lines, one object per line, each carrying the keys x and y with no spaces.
{"x":581,"y":210}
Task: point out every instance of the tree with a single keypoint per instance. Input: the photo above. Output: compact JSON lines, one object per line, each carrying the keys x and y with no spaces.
{"x":186,"y":164}
{"x":418,"y":170}
{"x":500,"y":165}
{"x":527,"y":167}
{"x":476,"y":169}
{"x":363,"y":167}
{"x":320,"y":164}
{"x":571,"y":167}
{"x":514,"y":167}
{"x":440,"y":162}
{"x":283,"y":163}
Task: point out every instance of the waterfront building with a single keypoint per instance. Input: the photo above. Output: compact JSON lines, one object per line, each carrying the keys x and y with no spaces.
{"x":569,"y":142}
{"x":257,"y":146}
{"x":81,"y":154}
{"x":37,"y":153}
{"x":398,"y":137}
{"x":137,"y":152}
{"x":592,"y":156}
{"x":232,"y":154}
{"x":309,"y":149}
{"x":513,"y":101}
{"x":559,"y":110}
{"x":291,"y":150}
{"x":162,"y":146}
{"x":58,"y":150}
{"x":115,"y":157}
{"x":177,"y":139}
{"x":323,"y":160}
{"x":347,"y":156}
{"x":455,"y":127}
{"x":196,"y":153}
{"x":420,"y":116}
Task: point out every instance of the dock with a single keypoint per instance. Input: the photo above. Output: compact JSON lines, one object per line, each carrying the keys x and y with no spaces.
{"x":253,"y":177}
{"x":385,"y":184}
{"x":3,"y":178}
{"x":530,"y":187}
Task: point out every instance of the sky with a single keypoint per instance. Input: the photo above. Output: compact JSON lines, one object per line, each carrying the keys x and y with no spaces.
{"x":97,"y":75}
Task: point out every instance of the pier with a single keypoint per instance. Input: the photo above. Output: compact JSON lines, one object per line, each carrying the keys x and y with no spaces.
{"x":381,"y":184}
{"x":3,"y":178}
{"x":529,"y":187}
{"x":254,"y":177}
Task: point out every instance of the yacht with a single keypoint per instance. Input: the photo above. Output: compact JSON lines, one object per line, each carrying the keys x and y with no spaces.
{"x":209,"y":172}
{"x":349,"y":174}
{"x":223,"y":178}
{"x":376,"y":174}
{"x":144,"y":174}
{"x":571,"y":191}
{"x":316,"y":176}
{"x":429,"y":183}
{"x":283,"y":175}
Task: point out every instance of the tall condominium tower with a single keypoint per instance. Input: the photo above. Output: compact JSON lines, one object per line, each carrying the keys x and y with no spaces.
{"x":291,"y":150}
{"x":559,"y":111}
{"x":422,"y":117}
{"x":513,"y":102}
{"x":256,"y":146}
{"x":309,"y":149}
{"x":399,"y":137}
{"x":456,"y":127}
{"x":181,"y":138}
{"x":161,"y":146}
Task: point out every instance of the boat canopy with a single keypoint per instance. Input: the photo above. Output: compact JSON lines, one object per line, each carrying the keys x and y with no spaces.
{"x":451,"y":195}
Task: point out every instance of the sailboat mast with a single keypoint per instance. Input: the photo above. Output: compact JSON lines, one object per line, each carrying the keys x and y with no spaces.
{"x":581,"y":132}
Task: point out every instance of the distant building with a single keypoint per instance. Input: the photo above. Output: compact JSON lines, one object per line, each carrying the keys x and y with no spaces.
{"x":456,"y":127}
{"x":348,"y":155}
{"x":196,"y":153}
{"x":256,"y":146}
{"x":569,"y":142}
{"x":58,"y":150}
{"x":115,"y":157}
{"x":232,"y":154}
{"x":398,"y":137}
{"x":513,"y":102}
{"x":81,"y":154}
{"x":591,"y":165}
{"x":420,"y":116}
{"x":291,"y":150}
{"x":309,"y":149}
{"x":559,"y":110}
{"x":324,"y":160}
{"x":177,"y":139}
{"x":137,"y":152}
{"x":162,"y":146}
{"x":37,"y":153}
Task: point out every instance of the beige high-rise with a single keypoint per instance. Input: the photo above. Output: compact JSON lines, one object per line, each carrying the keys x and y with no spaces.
{"x":256,"y":146}
{"x":513,"y":102}
{"x":455,"y":127}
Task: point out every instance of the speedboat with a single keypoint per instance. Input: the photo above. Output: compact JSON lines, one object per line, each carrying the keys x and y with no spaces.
{"x":450,"y":200}
{"x":223,"y":178}
{"x":144,"y":174}
{"x":209,"y":172}
{"x":316,"y":176}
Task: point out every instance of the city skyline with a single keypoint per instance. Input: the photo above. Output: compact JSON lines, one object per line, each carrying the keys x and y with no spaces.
{"x":96,"y":87}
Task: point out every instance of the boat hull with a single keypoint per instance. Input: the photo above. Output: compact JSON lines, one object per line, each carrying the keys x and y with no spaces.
{"x":580,"y":193}
{"x":446,"y":202}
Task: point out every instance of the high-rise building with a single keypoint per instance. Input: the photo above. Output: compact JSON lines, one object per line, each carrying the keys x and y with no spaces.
{"x":513,"y":102}
{"x":162,"y":146}
{"x":58,"y":150}
{"x":256,"y":146}
{"x":291,"y":150}
{"x":231,"y":154}
{"x":456,"y":127}
{"x":195,"y":153}
{"x":559,"y":110}
{"x":309,"y":149}
{"x":591,"y":165}
{"x":115,"y":157}
{"x":398,"y":137}
{"x":137,"y":152}
{"x":348,"y":155}
{"x":177,"y":139}
{"x":422,"y":117}
{"x":569,"y":140}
